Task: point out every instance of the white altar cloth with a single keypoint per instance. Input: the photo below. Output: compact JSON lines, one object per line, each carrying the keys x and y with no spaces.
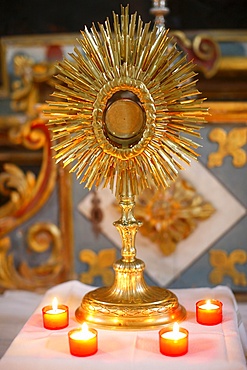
{"x":210,"y":347}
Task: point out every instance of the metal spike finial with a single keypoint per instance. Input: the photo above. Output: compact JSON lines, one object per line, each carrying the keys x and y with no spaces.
{"x":159,"y":10}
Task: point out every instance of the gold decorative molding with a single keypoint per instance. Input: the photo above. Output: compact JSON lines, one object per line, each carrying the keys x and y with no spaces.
{"x":18,"y":187}
{"x":41,"y":237}
{"x":229,"y":144}
{"x":25,"y":193}
{"x":171,"y":215}
{"x":26,"y":142}
{"x":203,"y":49}
{"x":99,"y":265}
{"x":227,"y":65}
{"x":224,"y":265}
{"x":33,"y":77}
{"x":227,"y":112}
{"x":27,"y":46}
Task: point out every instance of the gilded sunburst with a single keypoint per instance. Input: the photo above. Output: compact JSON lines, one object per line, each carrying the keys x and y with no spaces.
{"x":127,"y":102}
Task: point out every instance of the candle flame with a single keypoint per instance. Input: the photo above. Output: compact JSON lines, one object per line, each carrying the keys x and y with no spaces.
{"x":83,"y":333}
{"x":54,"y":304}
{"x":84,"y":327}
{"x":175,"y":329}
{"x":208,"y":304}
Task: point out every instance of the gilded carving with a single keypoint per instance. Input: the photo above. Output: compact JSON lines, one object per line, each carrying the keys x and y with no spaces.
{"x":203,"y":49}
{"x":32,"y":134}
{"x":40,"y":238}
{"x":171,"y":215}
{"x":27,"y":91}
{"x":99,"y":265}
{"x":7,"y":269}
{"x":229,"y":144}
{"x":23,"y":192}
{"x":121,"y":311}
{"x":17,"y":187}
{"x":27,"y":143}
{"x":224,"y":265}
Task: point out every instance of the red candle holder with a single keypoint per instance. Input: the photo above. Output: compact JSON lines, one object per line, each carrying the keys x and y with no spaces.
{"x":83,"y":341}
{"x":173,"y":341}
{"x":209,"y":312}
{"x":55,"y":316}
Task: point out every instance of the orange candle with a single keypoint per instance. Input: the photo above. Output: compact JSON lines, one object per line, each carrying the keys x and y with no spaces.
{"x":83,"y":341}
{"x":55,"y":316}
{"x":173,"y":341}
{"x":209,"y":312}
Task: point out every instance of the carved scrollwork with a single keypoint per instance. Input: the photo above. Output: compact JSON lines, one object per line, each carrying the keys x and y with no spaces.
{"x":33,"y":79}
{"x":18,"y":187}
{"x":31,"y":135}
{"x":41,"y":238}
{"x":23,"y":191}
{"x":27,"y":178}
{"x":203,"y":49}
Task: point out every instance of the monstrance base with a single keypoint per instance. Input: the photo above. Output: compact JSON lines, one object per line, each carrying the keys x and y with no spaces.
{"x":135,"y":306}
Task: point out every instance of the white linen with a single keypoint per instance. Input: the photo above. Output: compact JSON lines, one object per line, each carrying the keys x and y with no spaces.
{"x":210,"y":347}
{"x":16,"y":306}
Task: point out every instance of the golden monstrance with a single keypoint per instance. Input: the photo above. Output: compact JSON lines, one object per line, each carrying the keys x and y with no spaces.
{"x":126,"y":104}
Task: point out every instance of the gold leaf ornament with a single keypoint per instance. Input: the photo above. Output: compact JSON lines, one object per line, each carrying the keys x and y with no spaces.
{"x":171,"y":215}
{"x":125,"y":105}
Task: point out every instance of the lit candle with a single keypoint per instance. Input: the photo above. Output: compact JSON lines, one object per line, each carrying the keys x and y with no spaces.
{"x":209,"y":312}
{"x":83,"y":341}
{"x":173,"y":341}
{"x":55,"y":316}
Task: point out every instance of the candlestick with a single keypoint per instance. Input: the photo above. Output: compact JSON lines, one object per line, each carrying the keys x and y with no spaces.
{"x":173,"y":341}
{"x":209,"y":312}
{"x":55,"y":316}
{"x":83,"y":341}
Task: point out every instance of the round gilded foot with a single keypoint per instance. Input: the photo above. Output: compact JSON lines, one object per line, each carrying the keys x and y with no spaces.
{"x":148,"y":309}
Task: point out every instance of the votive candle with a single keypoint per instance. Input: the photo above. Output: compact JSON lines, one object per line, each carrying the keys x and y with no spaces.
{"x":83,"y":341}
{"x":55,"y":316}
{"x":173,"y":340}
{"x":209,"y":312}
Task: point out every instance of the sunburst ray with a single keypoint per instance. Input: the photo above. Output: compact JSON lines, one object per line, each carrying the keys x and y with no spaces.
{"x":126,"y":62}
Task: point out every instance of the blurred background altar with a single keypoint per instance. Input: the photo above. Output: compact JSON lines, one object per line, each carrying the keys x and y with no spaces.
{"x":51,"y":228}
